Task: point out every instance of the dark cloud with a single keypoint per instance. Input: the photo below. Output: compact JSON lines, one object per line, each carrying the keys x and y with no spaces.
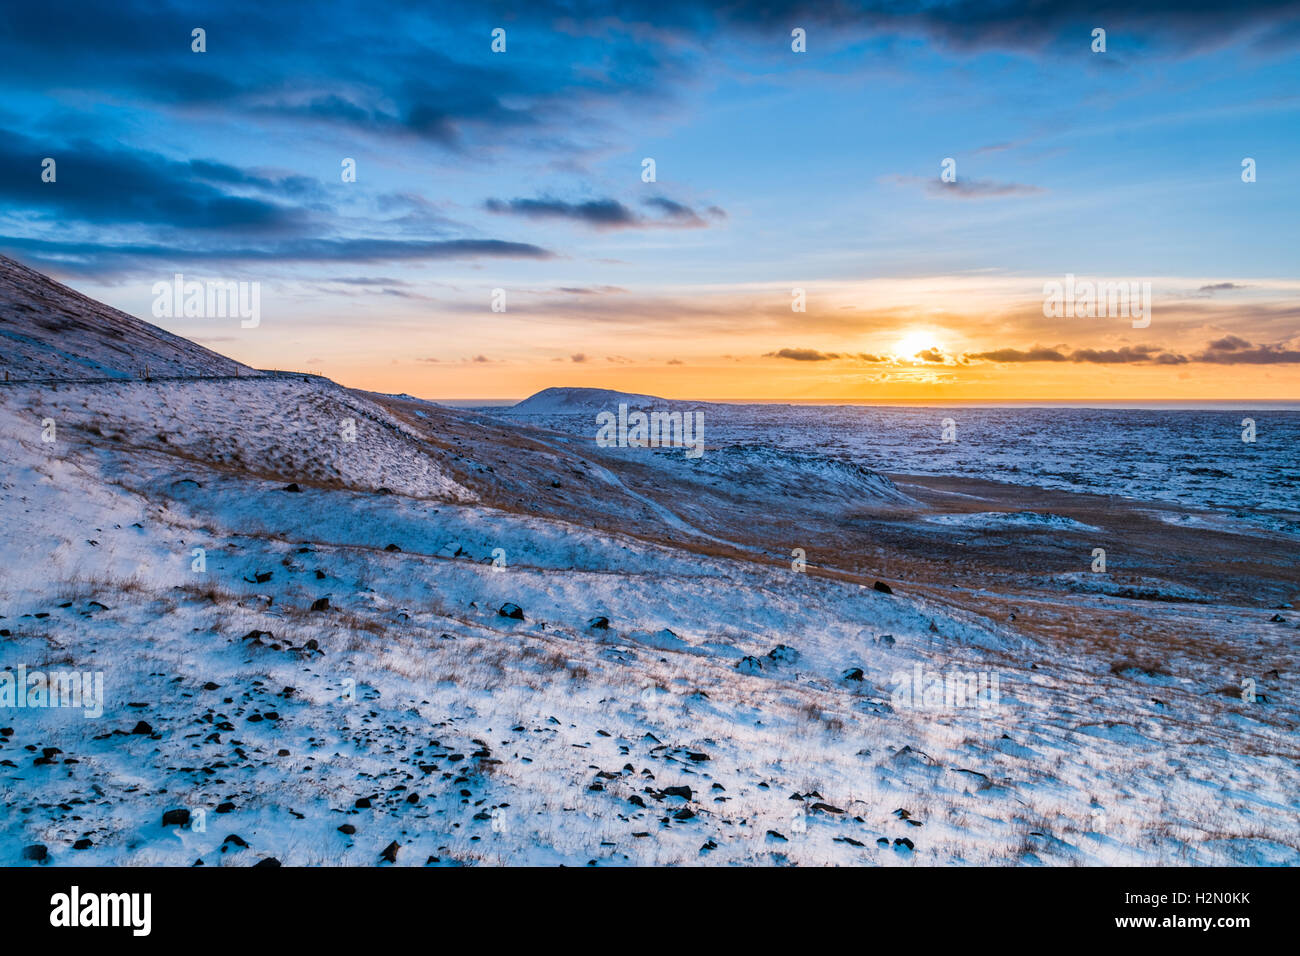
{"x":1120,"y":356}
{"x":601,"y":213}
{"x":1236,"y":351}
{"x":605,"y":213}
{"x":1015,"y":355}
{"x":99,"y":259}
{"x":1230,"y":350}
{"x":1220,"y":287}
{"x":102,"y":185}
{"x":803,"y":355}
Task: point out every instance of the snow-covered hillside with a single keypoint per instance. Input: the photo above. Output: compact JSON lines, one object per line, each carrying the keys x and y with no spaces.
{"x":456,"y":638}
{"x":48,"y":331}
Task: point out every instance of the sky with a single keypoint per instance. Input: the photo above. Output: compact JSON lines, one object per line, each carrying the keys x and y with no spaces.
{"x":915,"y":180}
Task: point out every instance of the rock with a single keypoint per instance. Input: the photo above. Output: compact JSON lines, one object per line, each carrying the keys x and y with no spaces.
{"x":886,"y":639}
{"x":237,"y":840}
{"x":363,"y":803}
{"x":882,"y":587}
{"x":391,"y":547}
{"x":904,"y":841}
{"x":321,"y":604}
{"x":683,"y":792}
{"x":142,"y":728}
{"x":749,"y":665}
{"x":1277,"y":619}
{"x":776,"y":837}
{"x":178,"y":817}
{"x":826,"y":808}
{"x":390,"y":852}
{"x":291,"y":486}
{"x":269,"y":861}
{"x":82,"y":844}
{"x":226,"y":807}
{"x":783,"y":654}
{"x":37,"y":852}
{"x":598,"y":624}
{"x":853,"y":673}
{"x":347,"y":829}
{"x":210,"y":685}
{"x":513,"y":611}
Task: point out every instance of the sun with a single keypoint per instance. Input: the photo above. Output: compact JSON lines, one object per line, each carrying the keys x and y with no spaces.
{"x":913,"y":342}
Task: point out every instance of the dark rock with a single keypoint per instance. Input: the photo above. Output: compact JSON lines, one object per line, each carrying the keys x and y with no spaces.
{"x":904,"y":841}
{"x":598,"y":624}
{"x":269,"y":861}
{"x":237,"y":840}
{"x":82,"y":844}
{"x":783,"y":654}
{"x":853,"y":673}
{"x":37,"y":852}
{"x":882,"y":587}
{"x":142,"y":728}
{"x":178,"y":817}
{"x":392,"y":547}
{"x":513,"y":611}
{"x":684,"y":792}
{"x":291,"y":486}
{"x":321,"y":604}
{"x":390,"y":852}
{"x":348,"y":829}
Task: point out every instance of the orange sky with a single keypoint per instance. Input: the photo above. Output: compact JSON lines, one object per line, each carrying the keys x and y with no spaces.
{"x":856,"y":341}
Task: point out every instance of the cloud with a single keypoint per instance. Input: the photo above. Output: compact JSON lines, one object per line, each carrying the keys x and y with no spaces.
{"x":579,"y":357}
{"x":606,"y":213}
{"x":1233,"y":350}
{"x":1220,"y":287}
{"x":99,"y":259}
{"x":601,"y":213}
{"x":106,"y":185}
{"x":802,"y":355}
{"x":966,"y":188}
{"x":1230,"y":350}
{"x":1015,"y":355}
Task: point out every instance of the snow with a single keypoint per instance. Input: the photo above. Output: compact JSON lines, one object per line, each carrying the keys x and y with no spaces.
{"x":344,"y":644}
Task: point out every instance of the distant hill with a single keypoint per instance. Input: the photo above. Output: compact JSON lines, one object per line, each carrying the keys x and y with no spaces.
{"x":48,"y":331}
{"x":552,"y":401}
